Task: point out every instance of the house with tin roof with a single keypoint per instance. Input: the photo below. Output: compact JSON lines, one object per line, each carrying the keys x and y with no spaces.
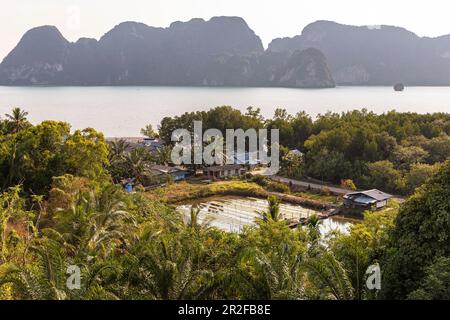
{"x":370,"y":199}
{"x":176,"y":173}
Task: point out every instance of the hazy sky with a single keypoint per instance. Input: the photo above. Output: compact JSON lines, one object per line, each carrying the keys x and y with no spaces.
{"x":268,"y":18}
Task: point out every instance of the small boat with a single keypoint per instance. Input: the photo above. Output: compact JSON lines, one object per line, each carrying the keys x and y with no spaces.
{"x":399,"y":87}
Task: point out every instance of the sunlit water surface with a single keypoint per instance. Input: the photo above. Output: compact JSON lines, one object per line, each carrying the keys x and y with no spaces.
{"x":123,"y":111}
{"x":233,"y":214}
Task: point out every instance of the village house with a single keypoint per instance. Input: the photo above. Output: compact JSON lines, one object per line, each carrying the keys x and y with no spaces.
{"x":370,"y":199}
{"x":177,"y":174}
{"x":226,"y":171}
{"x":152,"y":144}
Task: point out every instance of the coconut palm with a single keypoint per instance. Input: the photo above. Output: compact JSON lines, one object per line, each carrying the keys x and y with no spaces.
{"x":118,"y":160}
{"x":136,"y":163}
{"x":118,"y":149}
{"x":17,"y":119}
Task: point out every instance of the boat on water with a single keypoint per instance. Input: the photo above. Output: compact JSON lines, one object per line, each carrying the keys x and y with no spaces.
{"x":399,"y":87}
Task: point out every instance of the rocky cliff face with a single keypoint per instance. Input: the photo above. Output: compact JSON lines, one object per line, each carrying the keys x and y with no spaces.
{"x":381,"y":55}
{"x":39,"y":57}
{"x":305,"y":69}
{"x":223,"y":51}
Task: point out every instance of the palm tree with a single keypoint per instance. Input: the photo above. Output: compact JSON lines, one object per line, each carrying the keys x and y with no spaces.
{"x":128,"y":164}
{"x":164,"y":269}
{"x":18,"y":119}
{"x":46,"y":279}
{"x":313,"y":224}
{"x":149,"y":132}
{"x":95,"y":223}
{"x":11,"y":206}
{"x":108,"y":223}
{"x":330,"y":277}
{"x":282,"y":276}
{"x":118,"y":149}
{"x":136,"y":164}
{"x":118,"y":160}
{"x":46,"y":282}
{"x":194,"y":224}
{"x":164,"y":155}
{"x":273,"y":210}
{"x":272,"y":275}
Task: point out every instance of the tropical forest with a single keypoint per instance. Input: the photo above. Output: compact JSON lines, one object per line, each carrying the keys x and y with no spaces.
{"x":64,"y":207}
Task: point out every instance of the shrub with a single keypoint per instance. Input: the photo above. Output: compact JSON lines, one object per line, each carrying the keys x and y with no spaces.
{"x":325,"y":191}
{"x":278,"y":187}
{"x":260,"y":180}
{"x":348,"y":184}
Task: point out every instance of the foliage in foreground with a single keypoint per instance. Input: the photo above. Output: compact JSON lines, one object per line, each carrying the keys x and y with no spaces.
{"x":421,"y":238}
{"x":129,"y":247}
{"x":59,"y":210}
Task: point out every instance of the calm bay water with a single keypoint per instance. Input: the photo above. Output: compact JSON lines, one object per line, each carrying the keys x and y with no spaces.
{"x":122,"y":111}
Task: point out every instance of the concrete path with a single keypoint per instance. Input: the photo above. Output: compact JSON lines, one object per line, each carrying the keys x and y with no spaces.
{"x":314,"y":186}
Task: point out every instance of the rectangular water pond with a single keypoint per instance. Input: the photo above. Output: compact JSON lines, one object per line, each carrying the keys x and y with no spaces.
{"x":232,"y":214}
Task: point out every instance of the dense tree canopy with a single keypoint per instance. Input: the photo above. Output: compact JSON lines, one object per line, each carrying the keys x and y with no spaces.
{"x":60,"y":207}
{"x":32,"y":155}
{"x":421,"y":236}
{"x":376,"y":151}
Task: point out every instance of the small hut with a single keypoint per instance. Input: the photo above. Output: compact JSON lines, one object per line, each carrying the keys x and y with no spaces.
{"x":370,"y":199}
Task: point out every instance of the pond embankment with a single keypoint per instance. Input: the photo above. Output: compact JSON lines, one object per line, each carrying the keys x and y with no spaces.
{"x":185,"y":191}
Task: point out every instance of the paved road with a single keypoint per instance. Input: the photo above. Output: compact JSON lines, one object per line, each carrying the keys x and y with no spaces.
{"x":315,"y":186}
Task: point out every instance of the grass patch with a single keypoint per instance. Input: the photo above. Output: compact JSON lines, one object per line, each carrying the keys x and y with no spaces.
{"x":188,"y":191}
{"x":319,"y":197}
{"x":182,"y":191}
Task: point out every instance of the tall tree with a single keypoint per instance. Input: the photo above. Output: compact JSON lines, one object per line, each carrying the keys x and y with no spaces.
{"x":149,"y":132}
{"x":17,"y":119}
{"x":420,"y":237}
